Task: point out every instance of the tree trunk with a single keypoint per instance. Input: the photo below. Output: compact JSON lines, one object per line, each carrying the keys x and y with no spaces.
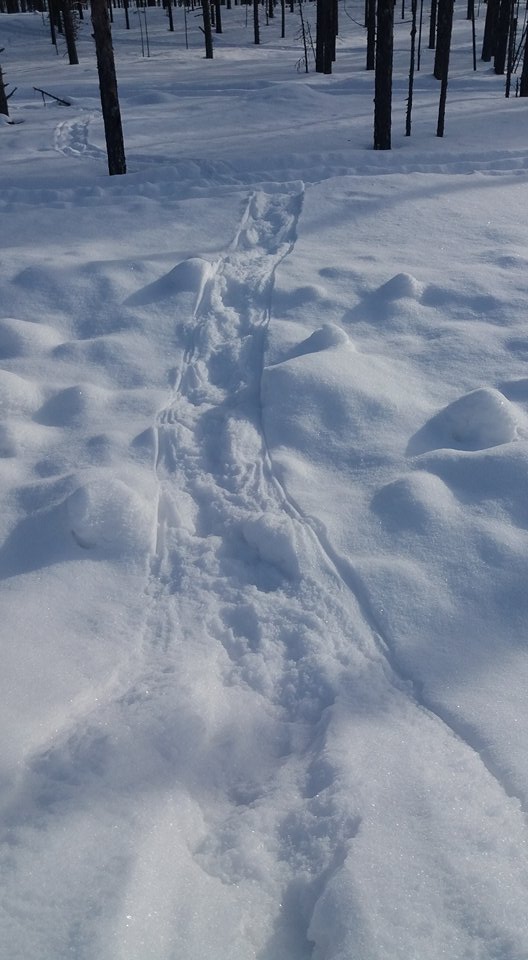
{"x":447,"y":27}
{"x":383,"y":78}
{"x":319,"y":36}
{"x":511,"y":50}
{"x":523,"y":86}
{"x":432,"y":24}
{"x":370,"y":17}
{"x":411,"y":70}
{"x":108,"y":88}
{"x":490,"y":31}
{"x":51,"y":14}
{"x":208,"y":33}
{"x":4,"y":108}
{"x":69,"y":32}
{"x":503,"y":27}
{"x":256,"y":25}
{"x":443,"y":36}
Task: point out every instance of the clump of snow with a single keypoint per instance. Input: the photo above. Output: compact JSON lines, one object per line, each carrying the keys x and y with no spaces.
{"x":481,"y":419}
{"x":18,"y":395}
{"x":274,"y":541}
{"x":401,"y":286}
{"x":22,"y":337}
{"x":107,"y":514}
{"x":190,"y":275}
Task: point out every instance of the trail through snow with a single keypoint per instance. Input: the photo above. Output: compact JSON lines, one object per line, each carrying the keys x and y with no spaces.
{"x":264,"y":531}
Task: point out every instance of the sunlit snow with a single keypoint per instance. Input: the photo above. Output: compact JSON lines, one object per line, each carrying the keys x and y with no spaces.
{"x":264,"y":527}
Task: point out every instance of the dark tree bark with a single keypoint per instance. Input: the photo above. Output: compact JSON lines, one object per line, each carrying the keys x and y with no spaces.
{"x":208,"y":33}
{"x":169,"y":13}
{"x":411,"y":70}
{"x":283,"y":19}
{"x":69,"y":32}
{"x":256,"y":25}
{"x":419,"y":38}
{"x":4,"y":108}
{"x":325,"y":36}
{"x":443,"y":37}
{"x":51,"y":14}
{"x":319,"y":36}
{"x":115,"y":147}
{"x":370,"y":17}
{"x":490,"y":31}
{"x":447,"y":26}
{"x":503,"y":29}
{"x":523,"y":86}
{"x":511,"y":50}
{"x":432,"y":24}
{"x":383,"y":78}
{"x":218,"y":17}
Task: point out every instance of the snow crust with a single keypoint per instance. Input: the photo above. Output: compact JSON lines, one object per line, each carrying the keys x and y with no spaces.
{"x":263,"y":466}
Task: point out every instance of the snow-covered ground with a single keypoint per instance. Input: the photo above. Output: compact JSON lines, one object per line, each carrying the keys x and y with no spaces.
{"x":264,"y":520}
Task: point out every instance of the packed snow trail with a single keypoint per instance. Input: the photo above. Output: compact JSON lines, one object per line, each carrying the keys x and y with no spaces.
{"x":266,"y":773}
{"x":283,"y":630}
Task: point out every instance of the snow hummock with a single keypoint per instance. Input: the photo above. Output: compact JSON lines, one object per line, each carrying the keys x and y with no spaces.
{"x":263,"y":464}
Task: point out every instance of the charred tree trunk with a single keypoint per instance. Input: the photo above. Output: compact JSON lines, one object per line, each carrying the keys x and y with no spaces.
{"x":207,"y":29}
{"x":447,"y":26}
{"x":370,"y":18}
{"x":4,"y":108}
{"x":411,"y":70}
{"x":443,"y":37}
{"x":490,"y":31}
{"x":170,"y":16}
{"x":115,"y":147}
{"x":69,"y":32}
{"x":511,"y":50}
{"x":319,"y":36}
{"x":383,"y":78}
{"x":256,"y":25}
{"x":523,"y":86}
{"x":432,"y":24}
{"x":326,"y":35}
{"x":51,"y":14}
{"x":218,"y":17}
{"x":503,"y":29}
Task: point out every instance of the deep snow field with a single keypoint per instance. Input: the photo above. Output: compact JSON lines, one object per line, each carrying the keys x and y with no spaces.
{"x":264,"y":519}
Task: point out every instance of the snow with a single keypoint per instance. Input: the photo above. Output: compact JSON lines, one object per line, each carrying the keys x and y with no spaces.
{"x":264,"y":453}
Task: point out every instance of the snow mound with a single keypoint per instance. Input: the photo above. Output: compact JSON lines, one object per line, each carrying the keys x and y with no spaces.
{"x":401,"y":286}
{"x":188,"y":276}
{"x":327,"y":336}
{"x":414,"y":503}
{"x":8,"y":446}
{"x":481,"y":419}
{"x":17,"y":395}
{"x":72,"y":406}
{"x":18,"y":338}
{"x":109,"y":515}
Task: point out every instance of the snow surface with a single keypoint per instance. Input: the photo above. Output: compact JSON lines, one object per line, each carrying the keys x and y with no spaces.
{"x":264,"y":533}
